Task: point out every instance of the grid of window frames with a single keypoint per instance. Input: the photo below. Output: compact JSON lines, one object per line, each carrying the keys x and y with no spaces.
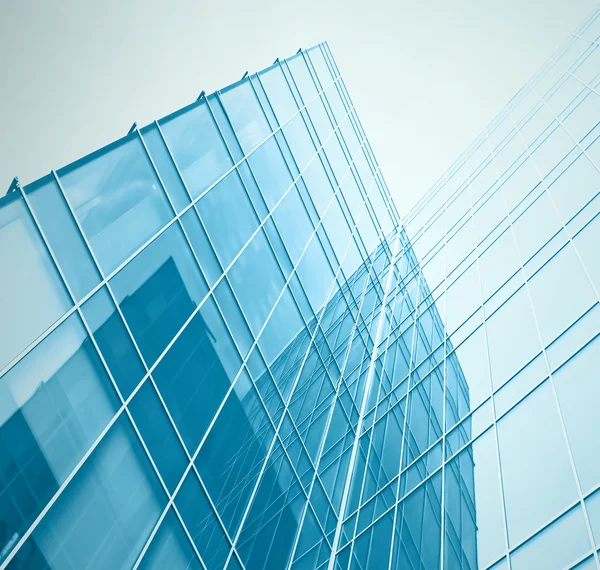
{"x":192,"y":316}
{"x":496,"y":409}
{"x":325,"y":389}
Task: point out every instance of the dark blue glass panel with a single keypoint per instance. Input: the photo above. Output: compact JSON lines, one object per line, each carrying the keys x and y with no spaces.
{"x":201,"y":522}
{"x":195,"y":374}
{"x":106,"y":514}
{"x":114,"y":341}
{"x":158,"y":434}
{"x":234,"y":452}
{"x":158,"y":291}
{"x":170,"y":548}
{"x":55,"y":403}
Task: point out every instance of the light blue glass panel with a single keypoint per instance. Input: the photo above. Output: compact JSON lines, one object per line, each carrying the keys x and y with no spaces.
{"x":53,"y":405}
{"x":536,"y":226}
{"x":196,"y":372}
{"x":578,"y":392}
{"x":113,"y":341}
{"x":293,"y":224}
{"x":158,"y":434}
{"x":211,"y":268}
{"x":537,"y":476}
{"x":64,"y":238}
{"x":316,"y":274}
{"x":228,"y":217}
{"x":34,"y":296}
{"x":164,"y":165}
{"x":592,"y":505}
{"x":586,"y":242}
{"x":560,"y":293}
{"x":246,"y":115}
{"x":257,"y":281}
{"x":279,"y":93}
{"x":575,"y":187}
{"x":511,"y":347}
{"x":302,"y":77}
{"x":557,"y":546}
{"x":201,"y":522}
{"x":158,"y":290}
{"x":197,"y":147}
{"x":318,"y":60}
{"x":106,"y":514}
{"x":300,"y":142}
{"x":170,"y":548}
{"x":118,"y":200}
{"x":271,"y":172}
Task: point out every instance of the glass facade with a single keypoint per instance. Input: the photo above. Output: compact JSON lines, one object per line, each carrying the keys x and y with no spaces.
{"x":222,"y":348}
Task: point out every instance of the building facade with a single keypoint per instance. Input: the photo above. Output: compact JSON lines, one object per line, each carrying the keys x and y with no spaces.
{"x":222,"y":348}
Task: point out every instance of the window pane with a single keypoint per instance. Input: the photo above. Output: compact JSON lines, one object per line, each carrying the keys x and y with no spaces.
{"x":33,"y":296}
{"x":197,"y":147}
{"x":537,"y":476}
{"x":105,"y":515}
{"x":170,"y":548}
{"x":158,"y":290}
{"x":195,"y":374}
{"x":63,"y":236}
{"x":53,"y":405}
{"x":279,"y":93}
{"x":257,"y":281}
{"x":246,"y":115}
{"x":228,"y":217}
{"x":113,"y":341}
{"x":117,"y":199}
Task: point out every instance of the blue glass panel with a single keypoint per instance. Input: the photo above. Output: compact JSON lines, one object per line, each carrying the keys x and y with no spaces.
{"x":54,"y":404}
{"x":106,"y":514}
{"x":158,"y":434}
{"x":271,"y":172}
{"x":235,"y":319}
{"x":64,"y":238}
{"x":196,"y":372}
{"x":302,"y":77}
{"x":203,"y":249}
{"x":560,"y":293}
{"x":246,"y":115}
{"x":578,"y":394}
{"x":170,"y":548}
{"x":318,"y":60}
{"x":257,"y":281}
{"x":537,"y":476}
{"x":316,"y":274}
{"x":164,"y":165}
{"x":268,"y":534}
{"x":224,"y":125}
{"x":117,"y":199}
{"x":232,"y":457}
{"x":158,"y":291}
{"x":279,"y":93}
{"x":557,"y":546}
{"x":197,"y":147}
{"x":34,"y":296}
{"x":201,"y":522}
{"x":294,"y":224}
{"x":114,"y":341}
{"x":228,"y":217}
{"x":511,"y":347}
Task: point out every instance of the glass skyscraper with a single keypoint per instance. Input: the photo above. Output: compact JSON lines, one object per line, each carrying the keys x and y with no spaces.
{"x":222,"y":348}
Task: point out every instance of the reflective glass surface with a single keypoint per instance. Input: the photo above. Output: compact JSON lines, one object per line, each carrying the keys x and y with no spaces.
{"x":223,"y":349}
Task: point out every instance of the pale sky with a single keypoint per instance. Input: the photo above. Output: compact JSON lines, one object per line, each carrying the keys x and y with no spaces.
{"x":425,"y":76}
